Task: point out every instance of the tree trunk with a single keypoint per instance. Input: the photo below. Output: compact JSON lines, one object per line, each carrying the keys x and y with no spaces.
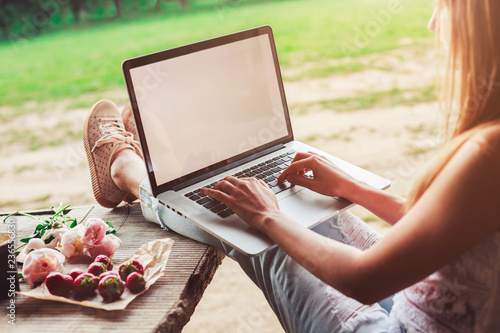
{"x":76,"y":8}
{"x":3,"y":27}
{"x":158,"y":6}
{"x":3,"y":23}
{"x":183,"y":3}
{"x":118,"y":7}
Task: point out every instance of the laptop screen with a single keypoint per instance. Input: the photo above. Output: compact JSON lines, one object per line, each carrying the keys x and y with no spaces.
{"x":208,"y":106}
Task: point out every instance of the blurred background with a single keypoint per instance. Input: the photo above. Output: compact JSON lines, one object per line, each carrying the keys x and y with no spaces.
{"x":359,"y":78}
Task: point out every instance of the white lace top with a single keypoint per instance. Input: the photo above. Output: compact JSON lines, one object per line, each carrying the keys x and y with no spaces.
{"x":463,"y":296}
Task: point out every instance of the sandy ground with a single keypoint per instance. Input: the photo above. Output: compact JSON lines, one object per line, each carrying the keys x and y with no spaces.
{"x":395,"y":142}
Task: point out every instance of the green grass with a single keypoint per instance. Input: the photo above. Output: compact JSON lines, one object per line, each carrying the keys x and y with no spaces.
{"x":16,"y":203}
{"x":369,"y":100}
{"x":416,"y":129}
{"x":371,"y":218}
{"x":321,"y":70}
{"x":413,"y":150}
{"x":70,"y":63}
{"x":24,"y":168}
{"x":32,"y":141}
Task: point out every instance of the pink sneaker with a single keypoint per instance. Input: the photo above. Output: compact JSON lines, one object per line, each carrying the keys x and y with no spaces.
{"x":104,"y":136}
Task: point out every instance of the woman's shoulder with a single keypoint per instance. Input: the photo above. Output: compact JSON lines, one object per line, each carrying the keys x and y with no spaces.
{"x":490,"y":130}
{"x":488,"y":139}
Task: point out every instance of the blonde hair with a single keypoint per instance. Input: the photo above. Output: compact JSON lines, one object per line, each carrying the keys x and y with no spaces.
{"x":470,"y":89}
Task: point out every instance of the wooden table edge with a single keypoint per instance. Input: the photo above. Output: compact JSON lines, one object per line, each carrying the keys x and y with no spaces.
{"x":180,"y":314}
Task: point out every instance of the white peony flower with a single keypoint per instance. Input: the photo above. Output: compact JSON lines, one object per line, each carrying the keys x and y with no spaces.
{"x":55,"y":236}
{"x":72,"y":242}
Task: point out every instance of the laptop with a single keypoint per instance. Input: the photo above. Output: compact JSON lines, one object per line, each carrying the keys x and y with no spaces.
{"x":216,"y":108}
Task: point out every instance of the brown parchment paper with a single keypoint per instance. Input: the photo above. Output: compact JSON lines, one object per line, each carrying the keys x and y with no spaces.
{"x":152,"y":255}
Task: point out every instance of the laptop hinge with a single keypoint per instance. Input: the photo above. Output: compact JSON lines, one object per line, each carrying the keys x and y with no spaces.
{"x":230,"y":166}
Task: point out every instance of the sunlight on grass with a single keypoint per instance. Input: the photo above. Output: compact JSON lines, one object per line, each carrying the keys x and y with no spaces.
{"x":325,"y":70}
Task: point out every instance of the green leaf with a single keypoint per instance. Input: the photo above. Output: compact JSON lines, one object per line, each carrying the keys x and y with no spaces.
{"x":111,"y":228}
{"x":28,"y":215}
{"x":27,"y":239}
{"x":60,"y":211}
{"x":48,"y":240}
{"x":57,"y":220}
{"x":7,"y":217}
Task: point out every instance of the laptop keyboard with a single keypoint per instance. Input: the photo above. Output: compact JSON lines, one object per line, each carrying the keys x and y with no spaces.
{"x":268,"y":171}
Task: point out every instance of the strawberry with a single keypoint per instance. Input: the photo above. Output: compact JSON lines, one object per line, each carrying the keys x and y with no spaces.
{"x":108,"y":273}
{"x":105,"y":260}
{"x":97,"y":268}
{"x":135,"y":282}
{"x":85,"y":285}
{"x":111,"y":288}
{"x":59,"y":284}
{"x":130,"y":266}
{"x":75,"y":272}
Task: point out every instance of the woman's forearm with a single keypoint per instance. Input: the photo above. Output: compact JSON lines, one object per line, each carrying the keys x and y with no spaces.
{"x":329,"y":180}
{"x":389,"y":207}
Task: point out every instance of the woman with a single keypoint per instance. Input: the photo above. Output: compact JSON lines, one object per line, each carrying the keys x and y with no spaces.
{"x":441,"y":258}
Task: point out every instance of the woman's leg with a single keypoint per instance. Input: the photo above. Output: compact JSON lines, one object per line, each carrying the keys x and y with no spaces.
{"x":127,"y":171}
{"x":301,"y":301}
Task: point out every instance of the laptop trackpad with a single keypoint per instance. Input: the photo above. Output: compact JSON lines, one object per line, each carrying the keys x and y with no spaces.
{"x":308,"y":207}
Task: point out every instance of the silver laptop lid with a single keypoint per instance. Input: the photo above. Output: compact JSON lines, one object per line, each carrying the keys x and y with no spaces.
{"x":208,"y":105}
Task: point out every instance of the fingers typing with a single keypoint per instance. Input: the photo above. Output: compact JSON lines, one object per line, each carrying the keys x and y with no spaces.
{"x":297,"y":167}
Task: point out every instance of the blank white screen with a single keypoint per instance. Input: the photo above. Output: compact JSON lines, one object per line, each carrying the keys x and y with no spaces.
{"x":204,"y":107}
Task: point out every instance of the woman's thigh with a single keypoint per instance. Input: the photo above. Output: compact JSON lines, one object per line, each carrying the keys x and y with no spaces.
{"x":302,"y":302}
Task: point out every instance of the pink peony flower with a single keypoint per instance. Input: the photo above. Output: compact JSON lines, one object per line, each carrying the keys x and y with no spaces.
{"x":89,"y":240}
{"x":39,"y":263}
{"x":33,"y":244}
{"x":72,"y":242}
{"x":107,"y":246}
{"x":95,"y":230}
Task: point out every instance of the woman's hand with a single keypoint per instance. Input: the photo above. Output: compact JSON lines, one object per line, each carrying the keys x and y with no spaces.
{"x":326,"y":178}
{"x":250,"y":198}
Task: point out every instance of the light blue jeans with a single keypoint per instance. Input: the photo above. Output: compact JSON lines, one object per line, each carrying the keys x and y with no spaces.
{"x":301,"y":301}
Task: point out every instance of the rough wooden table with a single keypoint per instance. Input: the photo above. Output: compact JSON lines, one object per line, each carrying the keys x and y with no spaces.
{"x":166,"y":307}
